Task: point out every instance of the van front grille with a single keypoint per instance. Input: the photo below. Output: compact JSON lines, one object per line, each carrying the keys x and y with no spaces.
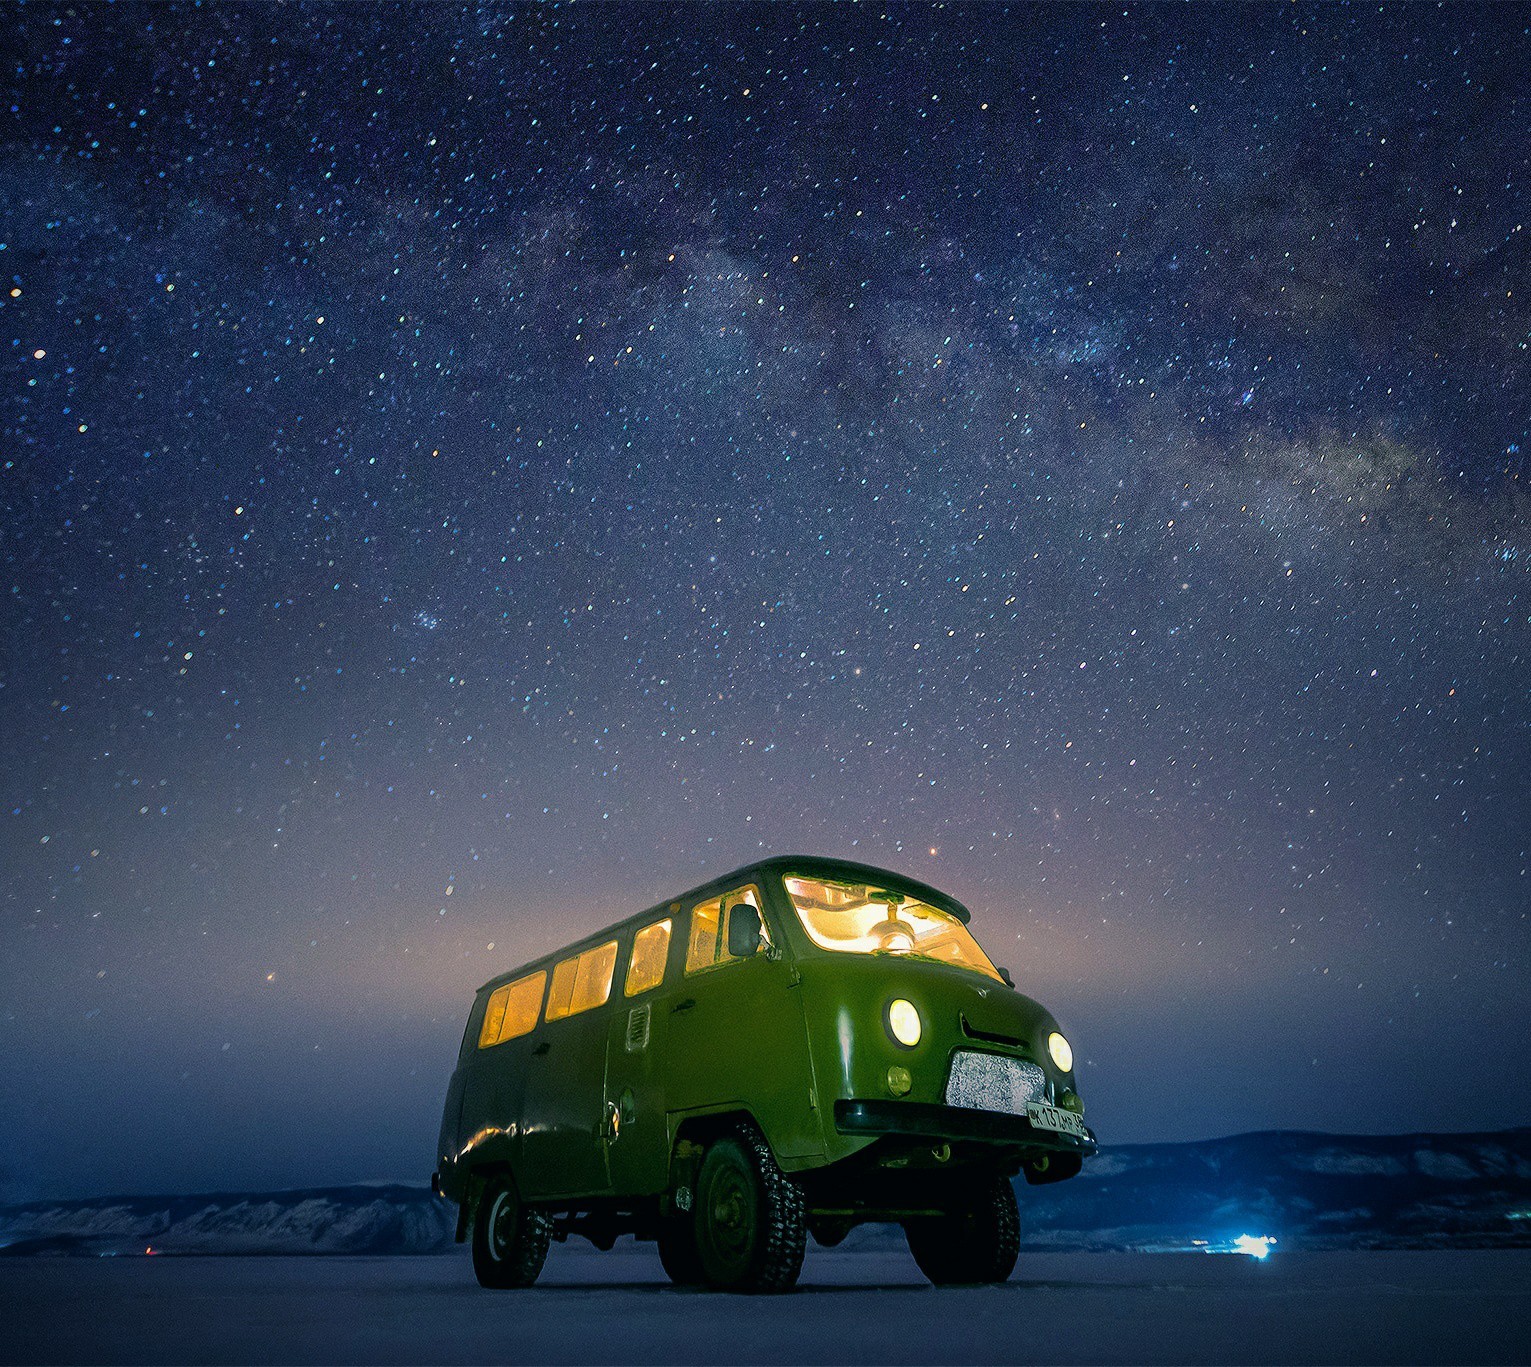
{"x":994,"y":1082}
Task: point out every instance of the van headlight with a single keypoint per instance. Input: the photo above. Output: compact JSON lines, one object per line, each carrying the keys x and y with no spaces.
{"x":904,"y":1022}
{"x":1063,"y":1056}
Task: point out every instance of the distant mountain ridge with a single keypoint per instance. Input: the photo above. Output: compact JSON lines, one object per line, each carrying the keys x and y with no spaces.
{"x":356,"y":1220}
{"x":1307,"y":1191}
{"x":1313,"y":1191}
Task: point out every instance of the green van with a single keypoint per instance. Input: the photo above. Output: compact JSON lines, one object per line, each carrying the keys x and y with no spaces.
{"x":790,"y":1049}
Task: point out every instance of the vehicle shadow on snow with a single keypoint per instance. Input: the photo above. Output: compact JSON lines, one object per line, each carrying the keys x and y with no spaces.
{"x":660,"y":1289}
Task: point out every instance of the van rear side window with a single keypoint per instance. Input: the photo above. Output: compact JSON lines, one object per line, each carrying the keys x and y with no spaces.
{"x":512,"y":1010}
{"x":582,"y":982}
{"x":651,"y":947}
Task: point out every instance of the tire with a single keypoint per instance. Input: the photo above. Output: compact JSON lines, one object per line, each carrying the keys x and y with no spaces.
{"x":750,"y":1219}
{"x":510,"y":1241}
{"x":974,"y":1245}
{"x":677,"y":1252}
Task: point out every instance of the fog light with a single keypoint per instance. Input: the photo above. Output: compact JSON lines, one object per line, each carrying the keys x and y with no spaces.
{"x":904,"y":1022}
{"x":1070,"y":1101}
{"x":899,"y":1081}
{"x":1063,"y":1056}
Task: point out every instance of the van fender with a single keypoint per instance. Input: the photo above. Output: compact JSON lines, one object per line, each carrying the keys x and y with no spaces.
{"x":693,"y":1136}
{"x":473,"y":1194}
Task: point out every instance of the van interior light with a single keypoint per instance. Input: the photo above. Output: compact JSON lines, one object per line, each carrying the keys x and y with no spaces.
{"x":904,"y":1022}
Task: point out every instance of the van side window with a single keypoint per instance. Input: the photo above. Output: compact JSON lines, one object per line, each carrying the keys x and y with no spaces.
{"x":651,"y":947}
{"x":702,"y":947}
{"x":581,"y":982}
{"x":708,"y":944}
{"x":512,"y":1010}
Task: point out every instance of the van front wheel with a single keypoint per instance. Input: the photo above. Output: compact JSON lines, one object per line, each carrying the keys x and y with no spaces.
{"x":750,"y":1218}
{"x":977,"y":1242}
{"x":510,"y":1241}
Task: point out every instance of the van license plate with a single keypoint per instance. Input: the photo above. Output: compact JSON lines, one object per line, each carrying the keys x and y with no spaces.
{"x":1046,"y":1117}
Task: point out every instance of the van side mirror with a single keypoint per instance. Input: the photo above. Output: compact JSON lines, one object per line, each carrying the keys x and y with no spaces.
{"x":1005,"y":974}
{"x":744,"y":934}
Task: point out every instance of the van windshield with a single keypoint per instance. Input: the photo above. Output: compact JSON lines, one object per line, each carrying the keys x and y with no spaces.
{"x":859,"y":918}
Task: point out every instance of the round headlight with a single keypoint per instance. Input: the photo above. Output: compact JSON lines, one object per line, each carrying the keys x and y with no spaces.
{"x":904,"y":1022}
{"x":1063,"y":1056}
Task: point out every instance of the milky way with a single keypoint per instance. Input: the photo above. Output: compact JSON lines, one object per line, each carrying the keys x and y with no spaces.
{"x":470,"y":474}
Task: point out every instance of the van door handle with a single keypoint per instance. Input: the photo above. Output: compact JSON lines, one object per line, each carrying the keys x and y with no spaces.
{"x":541,"y":1048}
{"x":683,"y":1006}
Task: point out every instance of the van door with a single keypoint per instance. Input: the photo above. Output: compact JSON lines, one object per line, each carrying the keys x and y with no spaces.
{"x":492,"y":1093}
{"x":637,"y":1140}
{"x":495,"y":1070}
{"x":563,"y":1152}
{"x":737,"y":1034}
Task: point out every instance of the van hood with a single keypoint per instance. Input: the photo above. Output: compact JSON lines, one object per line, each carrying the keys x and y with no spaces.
{"x":847,"y":1000}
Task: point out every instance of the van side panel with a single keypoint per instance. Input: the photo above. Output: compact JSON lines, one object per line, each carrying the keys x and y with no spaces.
{"x":738,"y":1040}
{"x":562,"y":1151}
{"x":638,"y":1145}
{"x":637,"y":1142}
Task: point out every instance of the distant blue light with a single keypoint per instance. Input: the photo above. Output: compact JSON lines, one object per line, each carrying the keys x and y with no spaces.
{"x":1256,"y":1245}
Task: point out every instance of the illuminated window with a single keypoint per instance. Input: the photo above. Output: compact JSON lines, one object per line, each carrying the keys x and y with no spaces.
{"x":582,"y":982}
{"x":651,"y":947}
{"x":512,"y":1010}
{"x":702,"y":947}
{"x":592,"y":984}
{"x":561,"y":990}
{"x":855,"y":918}
{"x":708,"y":944}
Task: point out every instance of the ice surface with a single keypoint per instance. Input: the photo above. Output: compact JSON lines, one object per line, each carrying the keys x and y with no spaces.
{"x":866,"y":1305}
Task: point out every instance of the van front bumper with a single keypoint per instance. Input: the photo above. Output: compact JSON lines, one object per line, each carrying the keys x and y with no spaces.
{"x":929,"y":1120}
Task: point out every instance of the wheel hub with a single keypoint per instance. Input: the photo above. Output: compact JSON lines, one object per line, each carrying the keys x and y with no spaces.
{"x":501,"y":1221}
{"x":733,"y":1216}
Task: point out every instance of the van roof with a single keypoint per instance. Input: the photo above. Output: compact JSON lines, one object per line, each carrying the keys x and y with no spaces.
{"x":777,"y":864}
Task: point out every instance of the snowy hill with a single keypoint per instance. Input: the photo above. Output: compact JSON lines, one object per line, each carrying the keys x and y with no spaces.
{"x":1305,"y":1190}
{"x":388,"y":1219}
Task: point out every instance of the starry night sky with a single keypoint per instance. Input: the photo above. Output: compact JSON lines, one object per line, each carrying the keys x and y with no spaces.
{"x":468,"y":475}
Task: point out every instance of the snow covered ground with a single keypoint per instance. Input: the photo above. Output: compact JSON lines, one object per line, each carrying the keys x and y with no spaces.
{"x":867,"y":1304}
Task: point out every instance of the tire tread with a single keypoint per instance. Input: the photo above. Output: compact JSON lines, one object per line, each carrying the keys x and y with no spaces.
{"x":523,"y":1263}
{"x":783,"y":1219}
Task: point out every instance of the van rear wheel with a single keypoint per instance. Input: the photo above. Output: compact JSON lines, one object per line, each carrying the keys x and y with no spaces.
{"x":977,"y":1242}
{"x":750,"y":1219}
{"x":510,"y":1241}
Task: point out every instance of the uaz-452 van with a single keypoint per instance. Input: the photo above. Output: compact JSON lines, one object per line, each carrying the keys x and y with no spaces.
{"x":790,"y":1049}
